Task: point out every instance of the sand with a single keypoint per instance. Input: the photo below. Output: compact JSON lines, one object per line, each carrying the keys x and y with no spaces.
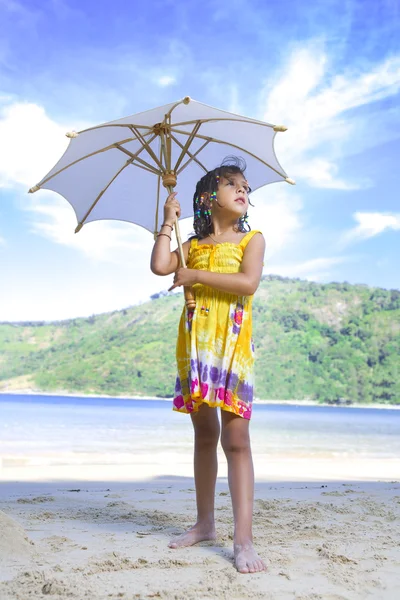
{"x":107,"y":540}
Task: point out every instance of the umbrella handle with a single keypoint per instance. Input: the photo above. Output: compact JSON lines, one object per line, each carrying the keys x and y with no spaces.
{"x":189,"y":297}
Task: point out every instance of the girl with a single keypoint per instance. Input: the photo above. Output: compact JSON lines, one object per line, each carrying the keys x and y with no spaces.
{"x":215,"y":351}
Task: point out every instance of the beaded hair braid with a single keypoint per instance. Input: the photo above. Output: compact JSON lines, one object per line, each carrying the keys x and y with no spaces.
{"x":208,"y":184}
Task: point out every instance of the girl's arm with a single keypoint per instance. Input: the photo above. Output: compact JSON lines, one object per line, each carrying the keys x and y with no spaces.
{"x":247,"y":281}
{"x":244,"y":283}
{"x":163,"y":261}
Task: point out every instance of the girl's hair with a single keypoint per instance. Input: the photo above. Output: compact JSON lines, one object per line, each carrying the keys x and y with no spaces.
{"x":202,"y":223}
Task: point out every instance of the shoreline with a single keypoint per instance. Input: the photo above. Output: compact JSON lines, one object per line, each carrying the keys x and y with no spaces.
{"x":30,"y":392}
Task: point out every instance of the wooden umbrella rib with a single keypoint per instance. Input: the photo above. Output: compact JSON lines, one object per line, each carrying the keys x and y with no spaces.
{"x":101,"y":194}
{"x":145,"y":165}
{"x":185,"y":148}
{"x":203,"y":137}
{"x":158,"y":196}
{"x":104,"y":127}
{"x":174,"y":106}
{"x":193,"y":157}
{"x":199,"y":135}
{"x":146,"y":146}
{"x":140,"y":166}
{"x":167,"y":120}
{"x":202,"y":121}
{"x":108,"y":125}
{"x":163,"y":149}
{"x":110,"y":147}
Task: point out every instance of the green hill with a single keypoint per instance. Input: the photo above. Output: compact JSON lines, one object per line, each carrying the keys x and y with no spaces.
{"x":335,"y":343}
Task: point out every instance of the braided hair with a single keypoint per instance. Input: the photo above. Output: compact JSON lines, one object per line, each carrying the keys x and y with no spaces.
{"x":202,"y":223}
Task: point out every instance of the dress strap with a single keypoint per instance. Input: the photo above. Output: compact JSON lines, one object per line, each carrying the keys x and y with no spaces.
{"x":248,"y":237}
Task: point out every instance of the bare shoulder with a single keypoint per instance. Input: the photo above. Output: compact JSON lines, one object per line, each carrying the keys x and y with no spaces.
{"x":254,"y":250}
{"x":257,"y":241}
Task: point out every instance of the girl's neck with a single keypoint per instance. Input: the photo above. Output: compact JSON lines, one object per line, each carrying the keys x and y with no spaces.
{"x":219,"y":229}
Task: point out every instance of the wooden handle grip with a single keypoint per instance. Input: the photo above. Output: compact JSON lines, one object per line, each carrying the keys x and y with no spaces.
{"x":189,"y":296}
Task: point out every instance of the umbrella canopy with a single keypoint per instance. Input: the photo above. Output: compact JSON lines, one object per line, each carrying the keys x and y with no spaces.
{"x":116,"y":170}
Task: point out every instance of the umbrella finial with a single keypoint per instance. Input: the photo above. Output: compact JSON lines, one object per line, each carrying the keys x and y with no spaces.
{"x":186,"y":100}
{"x":280,"y":128}
{"x":72,"y":134}
{"x":34,"y":189}
{"x":291,"y":181}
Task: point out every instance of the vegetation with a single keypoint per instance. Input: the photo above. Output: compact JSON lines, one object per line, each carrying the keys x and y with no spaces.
{"x":335,"y":343}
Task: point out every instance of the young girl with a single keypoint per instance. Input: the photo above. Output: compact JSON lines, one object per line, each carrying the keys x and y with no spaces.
{"x":215,"y":350}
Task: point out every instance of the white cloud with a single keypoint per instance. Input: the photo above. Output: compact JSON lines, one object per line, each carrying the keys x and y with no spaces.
{"x":370,"y":225}
{"x":166,"y":80}
{"x":321,"y":173}
{"x":277,"y":215}
{"x":70,"y":292}
{"x":313,"y":270}
{"x":106,"y":241}
{"x":30,"y":144}
{"x":319,"y":130}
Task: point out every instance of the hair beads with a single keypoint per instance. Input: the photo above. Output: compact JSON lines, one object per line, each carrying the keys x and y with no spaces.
{"x":243,"y":221}
{"x":200,"y":204}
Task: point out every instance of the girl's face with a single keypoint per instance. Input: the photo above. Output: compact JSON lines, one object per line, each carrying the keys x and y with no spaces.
{"x":232,"y":194}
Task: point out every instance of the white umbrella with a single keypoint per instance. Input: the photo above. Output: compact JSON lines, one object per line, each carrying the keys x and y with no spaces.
{"x":115,"y":170}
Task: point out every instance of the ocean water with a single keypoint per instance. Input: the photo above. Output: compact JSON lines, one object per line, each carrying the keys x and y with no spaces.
{"x":57,"y":431}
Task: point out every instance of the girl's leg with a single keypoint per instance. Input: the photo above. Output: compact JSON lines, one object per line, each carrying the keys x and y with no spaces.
{"x":206,"y":436}
{"x":235,"y":441}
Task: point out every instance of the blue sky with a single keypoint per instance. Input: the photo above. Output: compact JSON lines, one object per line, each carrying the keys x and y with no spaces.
{"x":328,"y":70}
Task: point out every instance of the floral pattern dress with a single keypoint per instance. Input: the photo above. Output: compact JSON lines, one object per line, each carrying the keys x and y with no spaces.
{"x":215,"y":349}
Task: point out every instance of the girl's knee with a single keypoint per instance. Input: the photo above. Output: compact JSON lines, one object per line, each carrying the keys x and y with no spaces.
{"x":206,"y":440}
{"x":235,"y":442}
{"x":235,"y":437}
{"x":206,"y":428}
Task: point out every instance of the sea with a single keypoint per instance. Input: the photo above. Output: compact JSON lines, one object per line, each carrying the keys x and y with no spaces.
{"x":44,"y":436}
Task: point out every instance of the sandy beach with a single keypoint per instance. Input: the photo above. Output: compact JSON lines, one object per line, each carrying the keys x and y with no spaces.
{"x":91,"y":491}
{"x":102,"y":540}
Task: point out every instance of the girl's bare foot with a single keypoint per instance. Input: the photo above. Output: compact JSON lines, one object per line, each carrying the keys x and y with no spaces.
{"x":197,"y":533}
{"x":246,"y":558}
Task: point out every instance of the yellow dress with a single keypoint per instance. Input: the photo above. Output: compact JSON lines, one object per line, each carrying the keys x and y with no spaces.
{"x":215,"y":349}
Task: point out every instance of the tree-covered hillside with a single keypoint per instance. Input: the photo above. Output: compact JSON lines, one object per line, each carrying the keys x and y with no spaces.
{"x":326,"y":342}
